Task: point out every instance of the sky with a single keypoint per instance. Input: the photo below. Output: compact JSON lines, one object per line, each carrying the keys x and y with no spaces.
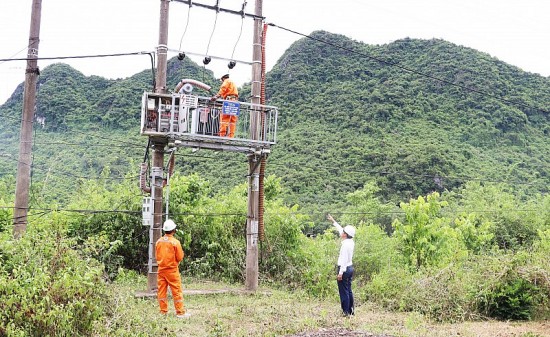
{"x":516,"y":32}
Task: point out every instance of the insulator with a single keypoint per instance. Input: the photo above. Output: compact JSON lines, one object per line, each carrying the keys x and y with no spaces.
{"x":231,"y":64}
{"x":206,"y":60}
{"x":181,"y":56}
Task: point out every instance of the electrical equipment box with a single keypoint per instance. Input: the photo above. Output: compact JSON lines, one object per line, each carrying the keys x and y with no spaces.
{"x":166,"y":113}
{"x":147,"y":211}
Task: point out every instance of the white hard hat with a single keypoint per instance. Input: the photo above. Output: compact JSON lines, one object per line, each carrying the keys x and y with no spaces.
{"x":349,"y":230}
{"x":169,"y":225}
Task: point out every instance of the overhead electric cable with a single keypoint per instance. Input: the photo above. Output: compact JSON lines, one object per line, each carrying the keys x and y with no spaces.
{"x":186,"y":24}
{"x":213,"y":29}
{"x":241,"y":31}
{"x":393,"y":64}
{"x":9,"y":58}
{"x":444,"y":210}
{"x":77,"y":57}
{"x":389,"y":173}
{"x":90,"y":144}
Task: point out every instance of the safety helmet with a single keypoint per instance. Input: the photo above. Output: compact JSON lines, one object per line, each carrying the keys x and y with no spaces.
{"x":224,"y":76}
{"x":169,"y":225}
{"x":349,"y":230}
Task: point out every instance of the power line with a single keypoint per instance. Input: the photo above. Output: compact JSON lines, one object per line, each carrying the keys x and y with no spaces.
{"x":384,"y":173}
{"x":15,"y":54}
{"x":48,"y":170}
{"x":77,"y":57}
{"x":393,"y":64}
{"x":89,"y":145}
{"x":398,"y":212}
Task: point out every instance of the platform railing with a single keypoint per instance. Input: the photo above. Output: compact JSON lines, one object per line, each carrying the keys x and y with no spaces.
{"x":197,"y":119}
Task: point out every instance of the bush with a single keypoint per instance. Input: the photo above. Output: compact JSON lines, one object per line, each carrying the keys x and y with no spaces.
{"x":512,"y":299}
{"x":47,"y":288}
{"x":510,"y":286}
{"x":315,"y":267}
{"x":117,"y":239}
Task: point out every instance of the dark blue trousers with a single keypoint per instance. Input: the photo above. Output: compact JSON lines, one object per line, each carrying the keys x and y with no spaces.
{"x":344,"y":289}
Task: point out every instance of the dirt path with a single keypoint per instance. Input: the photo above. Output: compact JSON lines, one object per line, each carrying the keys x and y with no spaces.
{"x":337,"y":333}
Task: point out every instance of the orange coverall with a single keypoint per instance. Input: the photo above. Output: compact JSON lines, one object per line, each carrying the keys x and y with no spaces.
{"x":169,"y":254}
{"x":228,"y":91}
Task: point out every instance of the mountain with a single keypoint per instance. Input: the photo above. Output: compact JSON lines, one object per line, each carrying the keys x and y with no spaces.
{"x":414,"y":116}
{"x":389,"y":113}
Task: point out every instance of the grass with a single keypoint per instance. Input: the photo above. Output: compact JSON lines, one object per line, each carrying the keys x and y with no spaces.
{"x":272,"y":312}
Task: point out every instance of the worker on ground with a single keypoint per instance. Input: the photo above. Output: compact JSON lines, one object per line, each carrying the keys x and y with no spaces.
{"x":345,"y":266}
{"x":169,"y":254}
{"x":228,"y":91}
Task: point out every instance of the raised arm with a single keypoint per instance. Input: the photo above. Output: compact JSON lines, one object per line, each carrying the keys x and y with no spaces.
{"x":335,"y":224}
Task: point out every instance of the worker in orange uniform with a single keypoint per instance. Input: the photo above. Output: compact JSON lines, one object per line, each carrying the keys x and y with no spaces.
{"x":169,"y":254}
{"x":228,"y":91}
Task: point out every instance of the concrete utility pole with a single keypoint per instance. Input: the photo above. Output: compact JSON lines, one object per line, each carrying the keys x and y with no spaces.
{"x":158,"y":150}
{"x":25,"y":142}
{"x":251,"y":282}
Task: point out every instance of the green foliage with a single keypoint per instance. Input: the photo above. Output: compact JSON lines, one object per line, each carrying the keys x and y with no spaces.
{"x":442,"y":294}
{"x":315,"y":266}
{"x":6,"y":201}
{"x":474,"y":234}
{"x":511,"y":300}
{"x":375,"y":251}
{"x":47,"y":287}
{"x":213,"y":230}
{"x":116,"y":238}
{"x":512,"y":288}
{"x":283,"y":240}
{"x":365,"y":207}
{"x":388,"y":286}
{"x":354,"y":135}
{"x":424,"y":236}
{"x":514,"y":221}
{"x":367,"y":121}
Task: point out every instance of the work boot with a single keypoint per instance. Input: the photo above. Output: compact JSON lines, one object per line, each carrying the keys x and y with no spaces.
{"x":186,"y":315}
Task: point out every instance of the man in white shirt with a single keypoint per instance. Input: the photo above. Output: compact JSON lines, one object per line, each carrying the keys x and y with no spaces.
{"x":345,"y":266}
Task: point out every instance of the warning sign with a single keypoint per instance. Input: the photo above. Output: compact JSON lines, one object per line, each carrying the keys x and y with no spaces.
{"x":231,"y":108}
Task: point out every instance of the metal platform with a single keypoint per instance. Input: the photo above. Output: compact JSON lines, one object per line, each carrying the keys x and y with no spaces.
{"x":185,"y":120}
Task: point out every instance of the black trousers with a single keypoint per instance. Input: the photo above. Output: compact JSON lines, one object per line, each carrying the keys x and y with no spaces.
{"x":346,"y":294}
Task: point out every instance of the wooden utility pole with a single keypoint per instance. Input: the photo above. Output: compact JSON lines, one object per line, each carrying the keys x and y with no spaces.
{"x":158,"y":149}
{"x":251,"y":282}
{"x":25,"y":139}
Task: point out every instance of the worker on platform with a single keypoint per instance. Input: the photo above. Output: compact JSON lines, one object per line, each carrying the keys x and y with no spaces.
{"x":228,"y":91}
{"x":169,"y":254}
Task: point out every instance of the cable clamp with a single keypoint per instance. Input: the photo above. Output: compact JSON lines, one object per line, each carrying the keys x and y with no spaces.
{"x":33,"y":71}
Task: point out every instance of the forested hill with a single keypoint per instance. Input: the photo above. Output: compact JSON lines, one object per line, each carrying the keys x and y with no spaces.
{"x":413,"y":115}
{"x":381,"y":113}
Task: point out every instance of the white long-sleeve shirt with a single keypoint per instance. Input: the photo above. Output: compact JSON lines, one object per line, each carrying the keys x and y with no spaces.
{"x":345,"y":259}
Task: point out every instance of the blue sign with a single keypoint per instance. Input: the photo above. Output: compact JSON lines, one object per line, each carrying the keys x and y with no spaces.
{"x":231,"y":108}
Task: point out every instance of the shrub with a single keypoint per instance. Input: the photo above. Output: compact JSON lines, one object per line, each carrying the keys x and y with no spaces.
{"x":315,"y":269}
{"x":512,"y":299}
{"x":512,"y":286}
{"x":47,"y":288}
{"x":114,"y":238}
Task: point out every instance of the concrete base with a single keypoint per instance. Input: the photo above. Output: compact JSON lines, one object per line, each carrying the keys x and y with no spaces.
{"x":186,"y":292}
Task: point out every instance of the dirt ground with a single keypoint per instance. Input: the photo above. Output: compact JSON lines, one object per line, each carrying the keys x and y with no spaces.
{"x":474,"y":329}
{"x":337,"y":333}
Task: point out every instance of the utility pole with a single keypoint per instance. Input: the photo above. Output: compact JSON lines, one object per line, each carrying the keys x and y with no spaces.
{"x":25,"y":139}
{"x":158,"y":150}
{"x":251,"y":282}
